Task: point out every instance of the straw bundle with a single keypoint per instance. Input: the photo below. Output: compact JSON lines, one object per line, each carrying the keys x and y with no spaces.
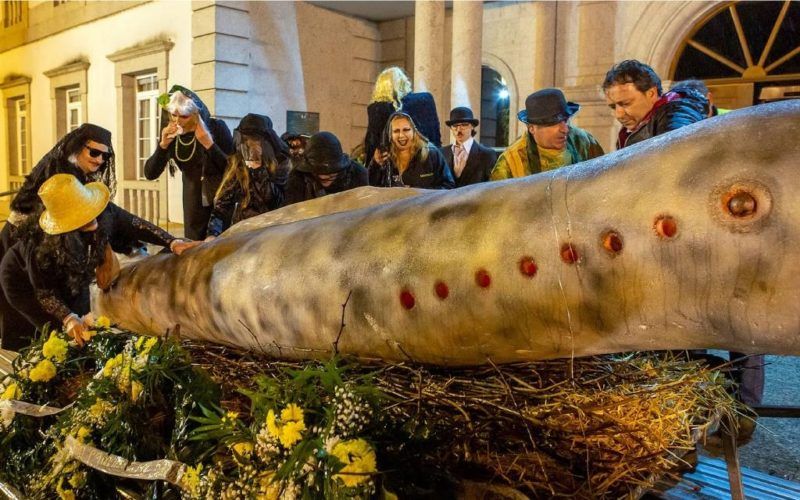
{"x":600,"y":427}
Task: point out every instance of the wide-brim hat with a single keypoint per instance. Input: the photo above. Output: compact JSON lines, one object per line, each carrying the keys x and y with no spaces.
{"x":324,"y":155}
{"x":254,"y":124}
{"x":547,"y":107}
{"x":461,"y":115}
{"x":70,"y":205}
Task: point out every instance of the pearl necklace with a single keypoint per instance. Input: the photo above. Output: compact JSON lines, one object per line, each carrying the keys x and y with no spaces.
{"x":192,"y":143}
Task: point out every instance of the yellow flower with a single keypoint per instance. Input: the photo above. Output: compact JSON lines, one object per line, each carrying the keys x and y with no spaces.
{"x":87,"y":334}
{"x":11,"y":392}
{"x":268,"y":489}
{"x":243,"y":448}
{"x":100,"y":408}
{"x":359,"y":461}
{"x":136,"y":390}
{"x":83,"y":433}
{"x":232,"y":415}
{"x":292,"y":413}
{"x":43,"y":371}
{"x":55,"y":348}
{"x":111,"y":365}
{"x":102,"y":322}
{"x":272,"y":427}
{"x":190,"y":481}
{"x":77,"y":479}
{"x":291,"y":432}
{"x":64,"y":494}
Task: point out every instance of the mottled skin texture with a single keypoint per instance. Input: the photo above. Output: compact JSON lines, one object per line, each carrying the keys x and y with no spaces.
{"x":720,"y":282}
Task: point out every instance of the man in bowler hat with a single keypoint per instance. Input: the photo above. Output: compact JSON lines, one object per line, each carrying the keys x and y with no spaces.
{"x":550,"y":141}
{"x":470,"y":162}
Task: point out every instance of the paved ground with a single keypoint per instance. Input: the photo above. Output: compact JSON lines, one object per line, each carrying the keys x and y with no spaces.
{"x":775,"y":448}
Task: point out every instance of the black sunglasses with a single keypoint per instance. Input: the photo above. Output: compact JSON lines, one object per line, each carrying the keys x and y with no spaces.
{"x":94,"y":153}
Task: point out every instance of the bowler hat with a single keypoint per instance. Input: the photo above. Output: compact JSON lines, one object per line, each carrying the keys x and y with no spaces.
{"x":461,"y":115}
{"x":254,"y":124}
{"x":70,"y":205}
{"x":547,"y":107}
{"x":324,"y":155}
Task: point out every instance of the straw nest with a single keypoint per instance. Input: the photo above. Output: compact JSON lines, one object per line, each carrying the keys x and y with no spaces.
{"x":598,"y":427}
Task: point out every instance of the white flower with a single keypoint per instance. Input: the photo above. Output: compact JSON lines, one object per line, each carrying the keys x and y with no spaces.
{"x":6,"y":415}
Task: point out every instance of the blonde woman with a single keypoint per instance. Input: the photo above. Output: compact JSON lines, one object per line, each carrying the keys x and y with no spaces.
{"x":392,"y":93}
{"x":410,"y":160}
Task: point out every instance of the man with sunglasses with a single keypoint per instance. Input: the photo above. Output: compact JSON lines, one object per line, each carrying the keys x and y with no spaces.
{"x":550,"y":141}
{"x":470,"y":162}
{"x":198,"y":146}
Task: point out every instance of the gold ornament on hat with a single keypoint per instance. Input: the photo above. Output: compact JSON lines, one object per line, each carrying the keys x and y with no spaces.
{"x":70,"y":205}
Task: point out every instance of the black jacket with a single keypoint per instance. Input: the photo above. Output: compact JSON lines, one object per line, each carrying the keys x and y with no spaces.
{"x":432,"y":173}
{"x":675,"y":109}
{"x":420,"y":106}
{"x":266,"y":193}
{"x":303,"y":186}
{"x":480,"y":163}
{"x":41,"y":292}
{"x":201,"y":169}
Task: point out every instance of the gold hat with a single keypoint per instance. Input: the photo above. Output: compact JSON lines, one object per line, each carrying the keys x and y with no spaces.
{"x":69,"y":205}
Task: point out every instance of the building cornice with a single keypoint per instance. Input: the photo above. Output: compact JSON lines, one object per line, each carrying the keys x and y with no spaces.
{"x":141,"y":50}
{"x":14,"y":81}
{"x":67,"y":68}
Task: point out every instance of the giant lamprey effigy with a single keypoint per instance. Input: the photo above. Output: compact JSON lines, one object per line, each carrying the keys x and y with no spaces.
{"x":685,"y":241}
{"x":388,"y":342}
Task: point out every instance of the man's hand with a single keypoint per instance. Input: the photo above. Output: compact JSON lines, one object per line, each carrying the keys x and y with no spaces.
{"x":168,"y":134}
{"x":75,"y":328}
{"x":202,"y":134}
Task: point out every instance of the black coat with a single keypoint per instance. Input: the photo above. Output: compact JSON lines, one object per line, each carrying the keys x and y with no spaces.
{"x":480,"y":163}
{"x":304,"y":186}
{"x":39,"y":292}
{"x":201,"y":172}
{"x":431,"y":173}
{"x":266,"y":193}
{"x":676,"y":109}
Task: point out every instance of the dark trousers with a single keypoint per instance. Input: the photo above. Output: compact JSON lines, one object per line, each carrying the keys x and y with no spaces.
{"x":750,"y":376}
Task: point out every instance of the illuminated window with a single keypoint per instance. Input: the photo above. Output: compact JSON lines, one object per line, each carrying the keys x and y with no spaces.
{"x":74,"y":110}
{"x":146,"y":119}
{"x":494,"y":109}
{"x":20,"y":166}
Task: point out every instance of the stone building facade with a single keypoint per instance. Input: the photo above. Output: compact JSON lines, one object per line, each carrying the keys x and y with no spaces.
{"x":65,"y":62}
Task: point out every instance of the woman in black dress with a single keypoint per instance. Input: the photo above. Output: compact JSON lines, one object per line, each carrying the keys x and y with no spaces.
{"x":46,"y":274}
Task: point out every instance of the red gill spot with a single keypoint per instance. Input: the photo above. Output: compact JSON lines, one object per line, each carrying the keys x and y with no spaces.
{"x":482,"y":278}
{"x":528,"y":267}
{"x":407,"y":299}
{"x":612,"y":242}
{"x":666,"y":226}
{"x":441,"y":289}
{"x":568,"y":253}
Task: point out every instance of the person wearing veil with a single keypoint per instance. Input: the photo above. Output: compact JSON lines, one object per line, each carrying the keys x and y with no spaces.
{"x":255,"y":180}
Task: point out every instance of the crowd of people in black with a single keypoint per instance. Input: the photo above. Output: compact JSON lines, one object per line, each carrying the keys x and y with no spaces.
{"x":63,"y":230}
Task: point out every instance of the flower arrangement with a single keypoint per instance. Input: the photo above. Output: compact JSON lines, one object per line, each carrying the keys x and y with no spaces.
{"x":304,"y":438}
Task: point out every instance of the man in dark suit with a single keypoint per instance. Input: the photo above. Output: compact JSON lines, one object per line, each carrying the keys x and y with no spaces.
{"x":469,"y":161}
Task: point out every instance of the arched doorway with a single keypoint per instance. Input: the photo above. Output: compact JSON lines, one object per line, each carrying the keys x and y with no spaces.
{"x":746,"y":52}
{"x":494,"y":109}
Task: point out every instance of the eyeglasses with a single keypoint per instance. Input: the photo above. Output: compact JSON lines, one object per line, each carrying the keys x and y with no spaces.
{"x":457,"y":126}
{"x":94,"y":153}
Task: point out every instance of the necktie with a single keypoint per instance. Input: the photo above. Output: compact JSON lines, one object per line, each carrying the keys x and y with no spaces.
{"x":460,"y":159}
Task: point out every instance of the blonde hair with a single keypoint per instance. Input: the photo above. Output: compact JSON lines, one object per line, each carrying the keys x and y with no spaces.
{"x":181,"y":104}
{"x":420,"y":145}
{"x":237,"y":172}
{"x":391,"y":86}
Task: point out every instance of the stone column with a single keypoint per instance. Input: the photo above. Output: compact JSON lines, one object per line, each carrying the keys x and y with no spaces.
{"x":428,"y":42}
{"x":465,"y":74}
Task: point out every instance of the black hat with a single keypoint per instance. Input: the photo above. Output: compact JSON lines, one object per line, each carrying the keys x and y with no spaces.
{"x":289,"y":136}
{"x":253,"y":124}
{"x":461,"y":115}
{"x":92,"y":132}
{"x":324,"y":155}
{"x":547,"y":107}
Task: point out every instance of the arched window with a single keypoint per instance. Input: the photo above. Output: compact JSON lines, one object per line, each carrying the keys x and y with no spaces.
{"x":494,"y":109}
{"x":744,"y":47}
